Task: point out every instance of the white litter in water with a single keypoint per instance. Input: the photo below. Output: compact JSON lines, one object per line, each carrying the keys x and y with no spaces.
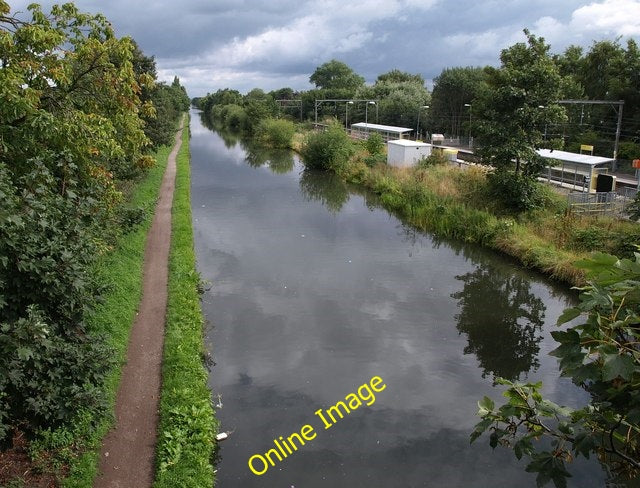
{"x":222,"y":436}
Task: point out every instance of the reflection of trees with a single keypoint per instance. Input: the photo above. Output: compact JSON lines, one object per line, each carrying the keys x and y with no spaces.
{"x":229,"y":137}
{"x":278,"y":160}
{"x":325,"y":187}
{"x":502,"y":320}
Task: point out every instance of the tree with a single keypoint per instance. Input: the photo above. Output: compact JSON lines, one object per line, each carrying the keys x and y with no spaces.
{"x":397,"y":76}
{"x":607,"y":71}
{"x":451,"y":90}
{"x":511,"y":117}
{"x":69,"y":128}
{"x":601,"y":355}
{"x":167,"y":102}
{"x":336,"y":75}
{"x":401,"y":96}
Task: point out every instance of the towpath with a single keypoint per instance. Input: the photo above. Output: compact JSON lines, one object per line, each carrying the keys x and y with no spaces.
{"x":128,"y":452}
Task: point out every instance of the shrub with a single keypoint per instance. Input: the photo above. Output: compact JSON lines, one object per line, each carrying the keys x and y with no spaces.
{"x":374,"y":144}
{"x":234,"y":116}
{"x":434,"y":159}
{"x":633,"y":209}
{"x":44,"y":377}
{"x":330,"y":149}
{"x":515,"y":191}
{"x":375,"y":159}
{"x":277,"y":133}
{"x":47,"y":241}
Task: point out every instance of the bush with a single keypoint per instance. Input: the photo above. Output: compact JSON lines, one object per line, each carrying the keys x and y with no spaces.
{"x":44,"y":377}
{"x":515,"y":191}
{"x":590,"y":239}
{"x":277,"y":133}
{"x":434,"y":159}
{"x":47,"y":241}
{"x":234,"y":116}
{"x":328,"y":150}
{"x":374,"y":144}
{"x":633,"y":209}
{"x":375,"y":159}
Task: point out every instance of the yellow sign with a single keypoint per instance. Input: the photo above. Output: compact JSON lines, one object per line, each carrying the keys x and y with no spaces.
{"x":586,"y":147}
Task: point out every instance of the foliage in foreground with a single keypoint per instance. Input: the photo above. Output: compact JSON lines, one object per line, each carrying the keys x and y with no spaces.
{"x":602,"y":355}
{"x":69,"y":128}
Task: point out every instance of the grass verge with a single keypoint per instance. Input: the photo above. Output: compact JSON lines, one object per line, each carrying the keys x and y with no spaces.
{"x":121,"y":271}
{"x":186,"y":435}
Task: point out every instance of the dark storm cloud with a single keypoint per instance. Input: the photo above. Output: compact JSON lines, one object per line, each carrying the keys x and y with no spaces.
{"x":249,"y":43}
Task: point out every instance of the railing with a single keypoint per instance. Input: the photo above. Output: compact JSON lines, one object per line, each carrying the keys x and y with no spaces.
{"x":601,"y":203}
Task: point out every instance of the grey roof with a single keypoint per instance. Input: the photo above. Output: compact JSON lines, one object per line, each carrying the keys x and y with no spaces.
{"x":383,"y":128}
{"x":569,"y":157}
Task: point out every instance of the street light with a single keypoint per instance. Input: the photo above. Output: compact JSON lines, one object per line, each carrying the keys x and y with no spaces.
{"x":418,"y":126}
{"x":469,"y":105}
{"x":366,"y":111}
{"x":346,"y":114}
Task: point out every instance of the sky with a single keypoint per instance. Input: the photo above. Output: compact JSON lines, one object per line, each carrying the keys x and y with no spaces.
{"x":271,"y":44}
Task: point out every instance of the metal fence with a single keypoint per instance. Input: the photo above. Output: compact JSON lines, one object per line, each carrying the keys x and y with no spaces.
{"x":602,"y":203}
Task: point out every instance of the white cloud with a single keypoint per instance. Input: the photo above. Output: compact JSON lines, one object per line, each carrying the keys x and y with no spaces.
{"x":610,"y":17}
{"x":591,"y":22}
{"x":329,"y":27}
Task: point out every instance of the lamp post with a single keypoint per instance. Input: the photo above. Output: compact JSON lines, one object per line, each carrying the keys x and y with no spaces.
{"x":469,"y":105}
{"x":418,"y":126}
{"x":366,"y":111}
{"x":346,"y":114}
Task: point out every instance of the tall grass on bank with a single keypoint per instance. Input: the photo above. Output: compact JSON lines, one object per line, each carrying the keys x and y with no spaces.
{"x":458,"y":204}
{"x":121,"y":272}
{"x":186,"y":434}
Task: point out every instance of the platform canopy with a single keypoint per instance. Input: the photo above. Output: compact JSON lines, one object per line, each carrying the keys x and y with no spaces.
{"x":391,"y":129}
{"x":574,"y":158}
{"x":573,"y":170}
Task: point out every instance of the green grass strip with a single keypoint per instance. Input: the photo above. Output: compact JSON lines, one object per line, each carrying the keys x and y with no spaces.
{"x":121,"y":271}
{"x":186,"y":435}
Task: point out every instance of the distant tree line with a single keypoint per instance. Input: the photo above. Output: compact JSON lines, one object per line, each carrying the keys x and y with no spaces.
{"x":607,"y":70}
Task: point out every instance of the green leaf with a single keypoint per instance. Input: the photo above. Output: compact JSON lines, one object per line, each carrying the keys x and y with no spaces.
{"x":493,"y":439}
{"x":479,"y":429}
{"x":567,"y":315}
{"x":485,"y":405}
{"x":617,"y":365}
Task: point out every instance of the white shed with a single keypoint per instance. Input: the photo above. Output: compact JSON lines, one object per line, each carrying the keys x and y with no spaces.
{"x":406,"y":153}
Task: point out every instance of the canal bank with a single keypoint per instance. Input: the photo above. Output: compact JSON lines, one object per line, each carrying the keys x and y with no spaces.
{"x":316,"y":290}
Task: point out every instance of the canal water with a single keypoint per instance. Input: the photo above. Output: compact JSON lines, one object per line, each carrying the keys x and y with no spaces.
{"x":315,"y":291}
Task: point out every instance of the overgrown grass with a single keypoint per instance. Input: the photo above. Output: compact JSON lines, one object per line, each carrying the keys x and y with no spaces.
{"x":457,"y":204}
{"x":186,"y":435}
{"x":121,"y":271}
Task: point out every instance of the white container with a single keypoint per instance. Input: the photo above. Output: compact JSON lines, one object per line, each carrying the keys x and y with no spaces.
{"x":406,"y":153}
